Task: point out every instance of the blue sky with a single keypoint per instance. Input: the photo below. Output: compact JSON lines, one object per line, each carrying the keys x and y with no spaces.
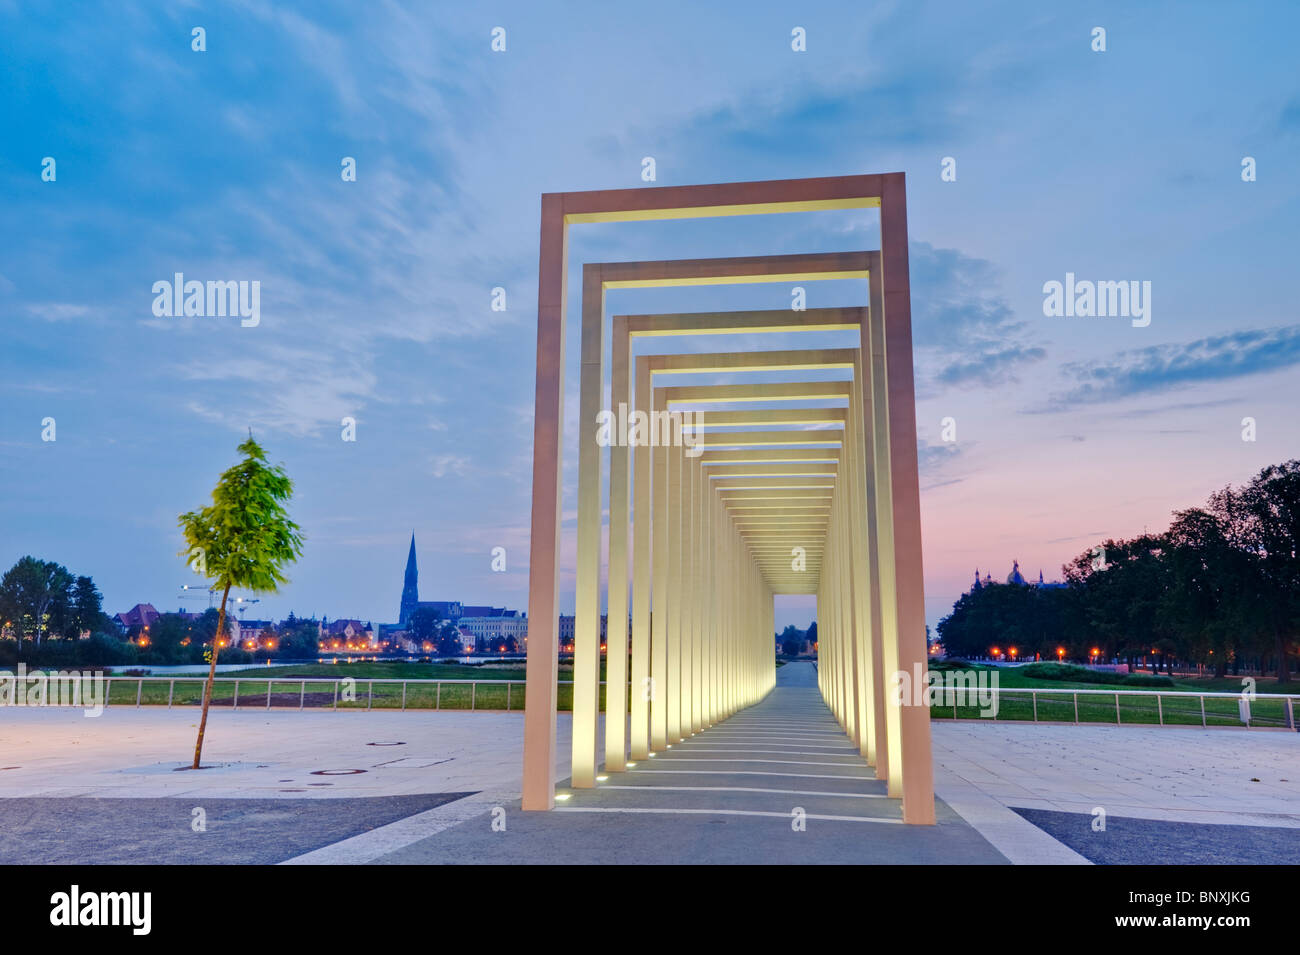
{"x":224,"y":164}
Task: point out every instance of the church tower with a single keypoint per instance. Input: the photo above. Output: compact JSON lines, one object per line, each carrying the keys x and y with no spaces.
{"x":410,"y":588}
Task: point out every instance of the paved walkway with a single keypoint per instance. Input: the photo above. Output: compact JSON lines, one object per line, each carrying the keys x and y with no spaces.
{"x":116,"y":774}
{"x":778,"y":782}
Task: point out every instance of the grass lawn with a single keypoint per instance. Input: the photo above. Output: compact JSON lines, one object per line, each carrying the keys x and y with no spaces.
{"x":1132,"y":707}
{"x":280,"y":682}
{"x":1184,"y":709}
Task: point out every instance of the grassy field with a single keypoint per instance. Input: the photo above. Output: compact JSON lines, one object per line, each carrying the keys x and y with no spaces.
{"x":1179,"y":706}
{"x":280,"y":682}
{"x":1132,"y":706}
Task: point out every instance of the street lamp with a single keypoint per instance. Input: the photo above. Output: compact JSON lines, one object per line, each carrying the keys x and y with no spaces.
{"x":1060,"y":654}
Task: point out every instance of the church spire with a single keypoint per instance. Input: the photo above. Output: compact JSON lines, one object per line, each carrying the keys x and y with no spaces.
{"x":410,"y":587}
{"x":411,"y":571}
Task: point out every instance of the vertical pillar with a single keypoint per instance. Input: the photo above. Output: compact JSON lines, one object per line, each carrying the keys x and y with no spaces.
{"x":639,"y":732}
{"x":616,"y":662}
{"x":917,"y":765}
{"x":544,"y":540}
{"x":673,"y":517}
{"x":661,"y":565}
{"x":586,"y":622}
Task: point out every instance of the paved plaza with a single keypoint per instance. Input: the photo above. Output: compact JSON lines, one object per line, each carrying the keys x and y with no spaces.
{"x":423,"y":786}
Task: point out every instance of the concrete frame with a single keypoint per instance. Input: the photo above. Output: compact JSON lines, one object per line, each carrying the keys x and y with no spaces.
{"x":897,"y":513}
{"x":597,"y":278}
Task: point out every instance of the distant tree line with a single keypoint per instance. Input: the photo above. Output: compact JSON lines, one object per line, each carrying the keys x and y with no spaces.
{"x":50,"y":617}
{"x":1220,"y":587}
{"x":794,"y":642}
{"x":428,"y":625}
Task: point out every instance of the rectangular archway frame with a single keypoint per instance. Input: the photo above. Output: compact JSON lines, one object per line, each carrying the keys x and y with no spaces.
{"x":559,"y":210}
{"x":673,"y":472}
{"x":856,"y":694}
{"x":597,"y":279}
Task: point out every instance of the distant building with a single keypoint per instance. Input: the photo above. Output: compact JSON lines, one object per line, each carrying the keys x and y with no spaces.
{"x":568,"y":628}
{"x":411,"y":602}
{"x":141,"y":615}
{"x":473,"y":610}
{"x":513,"y":624}
{"x":348,"y":633}
{"x":1015,"y":578}
{"x":250,"y":634}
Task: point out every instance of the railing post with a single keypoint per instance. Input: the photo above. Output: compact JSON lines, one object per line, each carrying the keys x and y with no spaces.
{"x":139,"y":692}
{"x":370,"y":699}
{"x":336,"y":694}
{"x":302,"y":694}
{"x":509,"y":687}
{"x":473,"y":692}
{"x":268,"y":694}
{"x":1033,"y":698}
{"x":1290,"y":713}
{"x":1118,"y":721}
{"x":1076,"y":709}
{"x":1202,"y":699}
{"x":171,"y":692}
{"x":235,"y":705}
{"x":1160,"y":708}
{"x":437,"y":698}
{"x":403,"y":695}
{"x":108,"y":690}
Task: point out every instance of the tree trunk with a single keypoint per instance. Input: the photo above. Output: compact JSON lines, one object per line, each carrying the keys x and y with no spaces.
{"x":212,"y":673}
{"x":1283,"y":669}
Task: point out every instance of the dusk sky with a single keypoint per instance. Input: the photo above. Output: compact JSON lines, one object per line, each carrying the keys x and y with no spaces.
{"x":375,"y":294}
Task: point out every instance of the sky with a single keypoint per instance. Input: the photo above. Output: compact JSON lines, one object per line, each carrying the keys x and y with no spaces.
{"x":225,"y":164}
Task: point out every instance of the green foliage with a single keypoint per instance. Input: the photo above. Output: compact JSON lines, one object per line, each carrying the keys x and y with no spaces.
{"x":1221,"y":585}
{"x":1066,"y":671}
{"x":428,"y":626}
{"x":244,"y":538}
{"x":1079,"y":674}
{"x":34,"y":597}
{"x":1147,"y":680}
{"x":299,"y":639}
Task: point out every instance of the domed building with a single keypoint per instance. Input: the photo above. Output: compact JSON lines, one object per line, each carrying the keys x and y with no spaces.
{"x":1016,"y":578}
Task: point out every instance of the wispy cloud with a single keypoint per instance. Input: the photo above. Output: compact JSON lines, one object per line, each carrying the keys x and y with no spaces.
{"x":1164,"y":367}
{"x":964,"y":331}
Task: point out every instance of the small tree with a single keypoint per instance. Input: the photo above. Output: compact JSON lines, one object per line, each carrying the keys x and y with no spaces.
{"x":244,"y":539}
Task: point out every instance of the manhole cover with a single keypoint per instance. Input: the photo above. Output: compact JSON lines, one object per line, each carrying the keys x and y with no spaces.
{"x":386,"y":743}
{"x":337,"y":772}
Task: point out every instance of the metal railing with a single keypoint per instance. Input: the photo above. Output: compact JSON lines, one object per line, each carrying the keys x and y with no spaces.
{"x":394,"y":693}
{"x":1118,"y":707}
